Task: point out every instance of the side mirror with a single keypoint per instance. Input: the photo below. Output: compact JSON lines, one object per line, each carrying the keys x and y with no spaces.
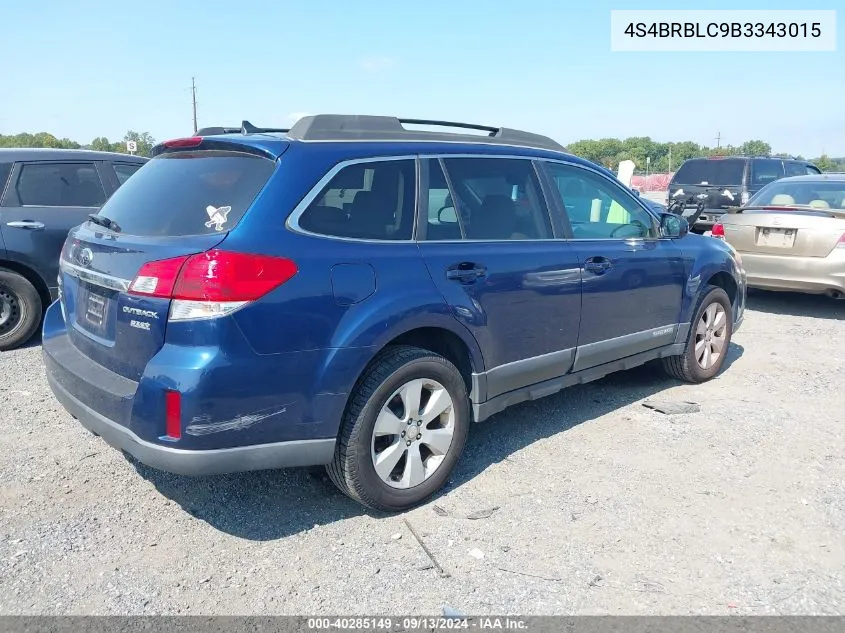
{"x":673,"y":226}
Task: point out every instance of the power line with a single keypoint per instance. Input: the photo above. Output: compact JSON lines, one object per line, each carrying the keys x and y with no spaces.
{"x":194,"y":99}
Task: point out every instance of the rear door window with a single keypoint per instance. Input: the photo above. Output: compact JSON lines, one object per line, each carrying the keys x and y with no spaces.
{"x":766,"y":170}
{"x":5,"y":170}
{"x":498,"y":199}
{"x":188,"y":193}
{"x":124,"y":170}
{"x":721,"y":172}
{"x":59,"y":185}
{"x":373,"y":200}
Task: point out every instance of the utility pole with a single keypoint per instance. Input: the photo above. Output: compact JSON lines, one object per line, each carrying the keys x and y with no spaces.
{"x":718,"y":140}
{"x":194,"y":99}
{"x":670,"y":158}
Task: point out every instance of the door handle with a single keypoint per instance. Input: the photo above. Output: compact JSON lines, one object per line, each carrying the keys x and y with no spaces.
{"x":598,"y":265}
{"x":26,"y":224}
{"x":466,"y":272}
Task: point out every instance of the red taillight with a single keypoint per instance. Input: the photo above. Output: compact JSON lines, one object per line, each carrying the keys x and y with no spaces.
{"x":156,"y":279}
{"x":718,"y":231}
{"x":841,"y":242}
{"x":191,"y":141}
{"x":214,"y":275}
{"x":173,"y":414}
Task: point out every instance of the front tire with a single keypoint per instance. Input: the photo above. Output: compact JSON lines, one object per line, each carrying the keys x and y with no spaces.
{"x":20,"y":310}
{"x":404,"y":429}
{"x":708,"y":341}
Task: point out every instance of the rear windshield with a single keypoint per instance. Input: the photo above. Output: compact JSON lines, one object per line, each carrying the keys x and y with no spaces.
{"x":819,"y":194}
{"x":188,"y":193}
{"x":710,"y":171}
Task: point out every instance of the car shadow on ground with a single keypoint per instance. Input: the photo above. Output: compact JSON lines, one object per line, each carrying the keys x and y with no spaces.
{"x":268,"y":505}
{"x":796,"y":304}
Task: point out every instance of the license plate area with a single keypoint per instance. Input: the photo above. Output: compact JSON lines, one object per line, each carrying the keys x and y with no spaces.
{"x":93,"y":310}
{"x":776,"y":238}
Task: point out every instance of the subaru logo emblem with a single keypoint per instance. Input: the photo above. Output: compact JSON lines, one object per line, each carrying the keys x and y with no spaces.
{"x":85,"y":256}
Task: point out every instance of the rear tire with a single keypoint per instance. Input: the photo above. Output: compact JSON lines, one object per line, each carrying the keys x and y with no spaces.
{"x":20,"y":310}
{"x":409,"y":414}
{"x":708,"y":341}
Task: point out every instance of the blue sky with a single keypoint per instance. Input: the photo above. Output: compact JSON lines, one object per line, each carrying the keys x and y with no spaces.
{"x":87,"y":68}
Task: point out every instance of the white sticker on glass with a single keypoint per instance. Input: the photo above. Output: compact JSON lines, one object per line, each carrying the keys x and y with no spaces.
{"x":217,"y":217}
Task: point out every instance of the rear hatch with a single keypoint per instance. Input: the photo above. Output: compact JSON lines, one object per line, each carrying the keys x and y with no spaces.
{"x":716,"y":181}
{"x":793,"y":232}
{"x":184,"y":201}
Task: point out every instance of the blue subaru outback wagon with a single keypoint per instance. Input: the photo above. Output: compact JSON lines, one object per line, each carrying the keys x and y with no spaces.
{"x":354,"y":293}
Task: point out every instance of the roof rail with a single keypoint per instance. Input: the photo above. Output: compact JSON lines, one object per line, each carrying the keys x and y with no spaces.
{"x":337,"y":127}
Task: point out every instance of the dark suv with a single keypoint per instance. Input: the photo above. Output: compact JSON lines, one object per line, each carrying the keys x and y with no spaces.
{"x":43,"y":194}
{"x":729,"y":181}
{"x":355,"y":293}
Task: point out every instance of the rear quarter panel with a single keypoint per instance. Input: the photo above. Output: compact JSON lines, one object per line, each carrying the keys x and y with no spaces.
{"x":705,"y":257}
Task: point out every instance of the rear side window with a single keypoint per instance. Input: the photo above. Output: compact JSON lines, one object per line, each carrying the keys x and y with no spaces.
{"x":710,"y":171}
{"x":124,"y":170}
{"x":188,"y":193}
{"x":5,"y":170}
{"x":370,"y":200}
{"x":59,"y":185}
{"x":497,"y":199}
{"x":765,"y":170}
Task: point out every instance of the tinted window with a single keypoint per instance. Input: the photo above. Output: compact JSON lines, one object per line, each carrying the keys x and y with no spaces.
{"x":498,"y":199}
{"x":442,"y":219}
{"x":710,"y":171}
{"x":124,"y":170}
{"x":598,"y":209}
{"x":60,"y":185}
{"x":795,"y":169}
{"x":765,"y":170}
{"x":371,"y":200}
{"x":5,"y":170}
{"x":188,"y":193}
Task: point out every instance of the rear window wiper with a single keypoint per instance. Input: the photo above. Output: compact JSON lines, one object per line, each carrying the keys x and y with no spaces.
{"x":102,"y":220}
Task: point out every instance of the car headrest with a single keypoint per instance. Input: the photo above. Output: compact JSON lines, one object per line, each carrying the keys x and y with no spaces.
{"x":782,"y":200}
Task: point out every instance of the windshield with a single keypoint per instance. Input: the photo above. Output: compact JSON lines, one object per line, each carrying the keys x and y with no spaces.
{"x":710,"y":171}
{"x":817,"y":194}
{"x":188,"y":193}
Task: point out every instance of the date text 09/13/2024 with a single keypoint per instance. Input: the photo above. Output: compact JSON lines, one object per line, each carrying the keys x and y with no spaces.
{"x":415,"y":623}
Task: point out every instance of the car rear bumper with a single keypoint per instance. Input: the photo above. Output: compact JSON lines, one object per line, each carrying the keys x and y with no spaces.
{"x":817,"y":275}
{"x":195,"y":462}
{"x":298,"y":427}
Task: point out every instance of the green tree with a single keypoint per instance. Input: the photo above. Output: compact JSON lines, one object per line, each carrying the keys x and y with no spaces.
{"x":101,"y":144}
{"x":755,"y":148}
{"x":825,"y":163}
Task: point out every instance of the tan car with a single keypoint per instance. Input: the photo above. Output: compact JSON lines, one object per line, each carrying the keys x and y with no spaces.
{"x":791,"y":235}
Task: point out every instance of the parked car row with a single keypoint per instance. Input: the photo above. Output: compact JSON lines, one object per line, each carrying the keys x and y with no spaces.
{"x":354,"y":294}
{"x":43,"y":194}
{"x":729,"y":181}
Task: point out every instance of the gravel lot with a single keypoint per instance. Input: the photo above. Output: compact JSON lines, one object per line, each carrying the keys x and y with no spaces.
{"x":604,"y":506}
